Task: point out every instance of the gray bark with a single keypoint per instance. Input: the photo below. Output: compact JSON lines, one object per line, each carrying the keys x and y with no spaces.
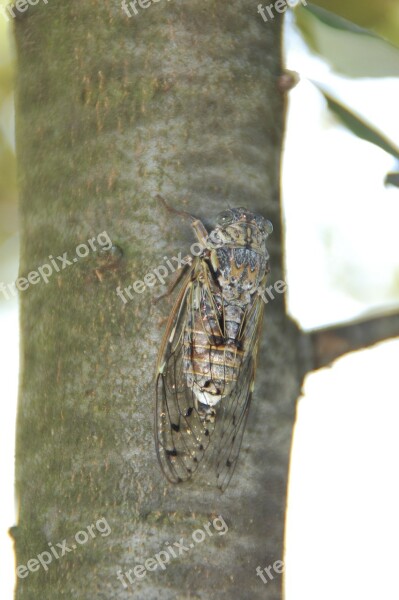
{"x":183,"y":100}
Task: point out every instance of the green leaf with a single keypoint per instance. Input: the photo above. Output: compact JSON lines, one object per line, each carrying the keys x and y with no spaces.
{"x":350,"y":49}
{"x":358,"y":125}
{"x":337,"y":22}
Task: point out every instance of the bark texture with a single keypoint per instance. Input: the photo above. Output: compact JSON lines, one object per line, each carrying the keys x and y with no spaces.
{"x":181,"y":99}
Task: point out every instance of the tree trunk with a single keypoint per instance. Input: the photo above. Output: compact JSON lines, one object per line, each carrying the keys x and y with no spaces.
{"x":180,"y":99}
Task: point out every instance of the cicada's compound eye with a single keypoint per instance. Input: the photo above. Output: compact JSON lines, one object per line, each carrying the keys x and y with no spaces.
{"x":260,"y":221}
{"x":225,"y":218}
{"x":268,"y":227}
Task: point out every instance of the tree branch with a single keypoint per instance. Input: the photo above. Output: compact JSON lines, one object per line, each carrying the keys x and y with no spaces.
{"x":330,"y":343}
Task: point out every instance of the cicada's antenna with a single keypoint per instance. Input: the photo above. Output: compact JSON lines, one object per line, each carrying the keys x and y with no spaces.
{"x":169,"y":208}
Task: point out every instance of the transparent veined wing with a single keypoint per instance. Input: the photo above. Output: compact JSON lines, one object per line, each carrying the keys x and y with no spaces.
{"x":181,"y":436}
{"x":186,"y":430}
{"x":233,"y":411}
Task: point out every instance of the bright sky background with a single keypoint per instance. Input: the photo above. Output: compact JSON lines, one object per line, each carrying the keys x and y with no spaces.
{"x":342,"y":260}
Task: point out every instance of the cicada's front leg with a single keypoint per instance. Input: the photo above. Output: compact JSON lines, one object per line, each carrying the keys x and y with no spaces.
{"x":200,"y":232}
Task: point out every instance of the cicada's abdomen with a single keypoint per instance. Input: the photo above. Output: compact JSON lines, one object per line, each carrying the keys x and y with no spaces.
{"x":210,"y":362}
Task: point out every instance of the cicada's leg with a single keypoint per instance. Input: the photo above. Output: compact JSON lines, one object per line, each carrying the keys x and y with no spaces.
{"x":200,"y":232}
{"x":196,"y":224}
{"x":169,"y":208}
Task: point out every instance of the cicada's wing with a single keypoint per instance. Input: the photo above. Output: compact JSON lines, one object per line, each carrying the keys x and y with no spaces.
{"x":233,"y":411}
{"x":181,"y":436}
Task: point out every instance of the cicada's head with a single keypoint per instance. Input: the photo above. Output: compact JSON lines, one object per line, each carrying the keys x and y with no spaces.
{"x":238,"y":253}
{"x":238,"y":227}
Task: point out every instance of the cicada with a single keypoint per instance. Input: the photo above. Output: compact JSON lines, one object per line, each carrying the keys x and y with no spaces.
{"x":206,"y":365}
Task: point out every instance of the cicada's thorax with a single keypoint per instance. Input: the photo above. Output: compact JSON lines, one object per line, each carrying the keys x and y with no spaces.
{"x":214,"y":344}
{"x":239,"y":260}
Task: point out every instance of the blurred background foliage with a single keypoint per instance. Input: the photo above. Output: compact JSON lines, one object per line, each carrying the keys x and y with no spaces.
{"x":8,"y":189}
{"x":380,"y":16}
